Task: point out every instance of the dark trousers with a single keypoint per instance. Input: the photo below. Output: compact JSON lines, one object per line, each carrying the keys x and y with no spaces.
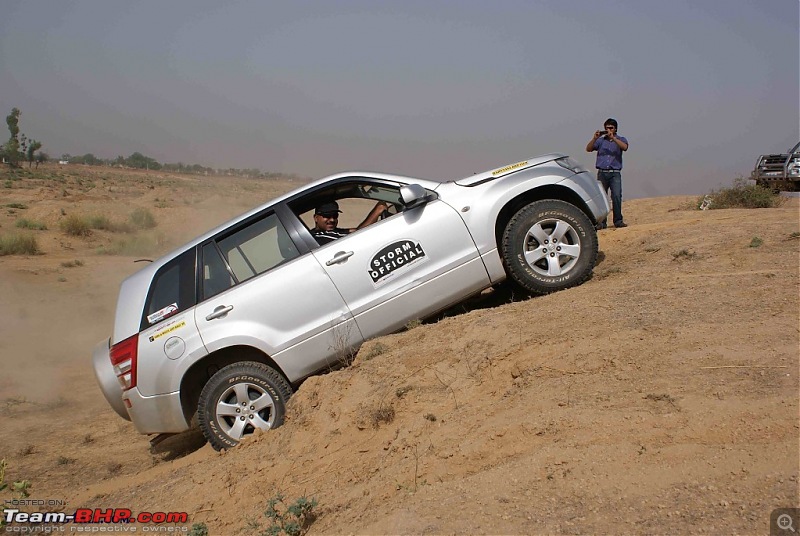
{"x":612,"y":180}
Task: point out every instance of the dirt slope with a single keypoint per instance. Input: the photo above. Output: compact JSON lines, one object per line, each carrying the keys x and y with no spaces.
{"x":659,"y":397}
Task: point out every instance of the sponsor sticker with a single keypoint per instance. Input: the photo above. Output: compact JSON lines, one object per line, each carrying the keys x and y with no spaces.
{"x":161,"y":314}
{"x":396,"y":257}
{"x":167,"y":330}
{"x":512,"y":167}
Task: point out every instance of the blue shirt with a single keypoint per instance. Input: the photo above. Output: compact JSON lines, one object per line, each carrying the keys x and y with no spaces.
{"x":609,"y":155}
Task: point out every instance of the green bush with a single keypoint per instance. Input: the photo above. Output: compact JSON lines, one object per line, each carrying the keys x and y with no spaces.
{"x":741,"y":195}
{"x":24,"y":223}
{"x":101,"y":223}
{"x":141,"y":218}
{"x":76,"y":225}
{"x":376,"y":350}
{"x":83,"y":225}
{"x":18,"y":244}
{"x":286,"y":519}
{"x":138,"y":244}
{"x":413,"y":324}
{"x":199,"y":529}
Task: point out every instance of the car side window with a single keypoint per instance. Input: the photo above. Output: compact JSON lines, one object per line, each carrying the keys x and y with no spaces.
{"x":355,"y":200}
{"x":172,"y":290}
{"x":248,"y":252}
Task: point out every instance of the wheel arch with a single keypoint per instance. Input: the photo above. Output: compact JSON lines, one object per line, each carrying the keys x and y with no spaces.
{"x":548,"y":191}
{"x":200,"y":372}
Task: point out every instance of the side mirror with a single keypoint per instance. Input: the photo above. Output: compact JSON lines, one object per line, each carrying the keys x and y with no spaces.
{"x":413,"y":195}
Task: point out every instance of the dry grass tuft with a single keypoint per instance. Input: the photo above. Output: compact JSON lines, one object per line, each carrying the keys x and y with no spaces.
{"x":382,"y":415}
{"x":18,"y":244}
{"x":741,"y":195}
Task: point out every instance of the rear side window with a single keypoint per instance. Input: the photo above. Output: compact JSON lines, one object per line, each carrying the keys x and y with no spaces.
{"x":173,"y":290}
{"x":246,"y":253}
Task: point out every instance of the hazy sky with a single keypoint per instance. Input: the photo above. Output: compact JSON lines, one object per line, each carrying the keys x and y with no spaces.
{"x":428,"y":88}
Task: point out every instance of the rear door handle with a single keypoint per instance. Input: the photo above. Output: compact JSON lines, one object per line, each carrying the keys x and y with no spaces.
{"x":219,"y":312}
{"x":341,"y":256}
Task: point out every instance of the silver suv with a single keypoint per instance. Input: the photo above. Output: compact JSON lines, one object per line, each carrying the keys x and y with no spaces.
{"x":779,"y":171}
{"x":223,"y":329}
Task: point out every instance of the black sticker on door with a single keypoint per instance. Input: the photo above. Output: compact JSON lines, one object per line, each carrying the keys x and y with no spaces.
{"x":394,"y":257}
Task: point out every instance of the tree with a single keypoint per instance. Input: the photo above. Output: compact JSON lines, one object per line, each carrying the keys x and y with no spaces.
{"x":19,"y":146}
{"x":91,"y":160}
{"x":138,"y":160}
{"x":41,"y":157}
{"x":12,"y":145}
{"x":32,"y":148}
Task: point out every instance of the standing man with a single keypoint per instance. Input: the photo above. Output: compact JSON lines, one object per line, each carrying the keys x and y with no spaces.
{"x":609,"y":147}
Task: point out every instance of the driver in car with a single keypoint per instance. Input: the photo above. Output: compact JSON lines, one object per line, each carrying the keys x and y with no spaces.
{"x":326,"y":219}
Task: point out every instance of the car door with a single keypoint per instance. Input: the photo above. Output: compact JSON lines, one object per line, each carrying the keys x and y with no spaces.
{"x":261,"y":290}
{"x":168,"y":334}
{"x":404,"y":267}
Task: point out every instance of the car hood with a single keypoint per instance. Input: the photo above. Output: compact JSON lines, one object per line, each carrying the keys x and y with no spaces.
{"x":507,"y":169}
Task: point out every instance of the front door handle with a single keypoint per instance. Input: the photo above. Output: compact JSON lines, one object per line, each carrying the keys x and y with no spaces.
{"x":341,"y":256}
{"x":219,"y":312}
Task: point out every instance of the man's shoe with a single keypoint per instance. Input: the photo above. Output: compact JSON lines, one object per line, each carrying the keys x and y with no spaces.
{"x":601,"y":225}
{"x":620,"y":225}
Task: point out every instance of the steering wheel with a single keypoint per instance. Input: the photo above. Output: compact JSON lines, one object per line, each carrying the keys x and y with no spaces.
{"x":390,"y":211}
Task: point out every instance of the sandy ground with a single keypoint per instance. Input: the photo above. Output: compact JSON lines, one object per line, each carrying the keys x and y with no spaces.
{"x":659,"y":397}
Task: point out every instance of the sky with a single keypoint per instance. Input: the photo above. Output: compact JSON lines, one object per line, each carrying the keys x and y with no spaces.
{"x":427,"y":88}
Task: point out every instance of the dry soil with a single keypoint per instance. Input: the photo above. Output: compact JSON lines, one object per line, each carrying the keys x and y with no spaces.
{"x":660,"y":397}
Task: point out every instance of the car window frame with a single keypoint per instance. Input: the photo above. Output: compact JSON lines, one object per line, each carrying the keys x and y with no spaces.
{"x":307,"y":199}
{"x":285,"y":220}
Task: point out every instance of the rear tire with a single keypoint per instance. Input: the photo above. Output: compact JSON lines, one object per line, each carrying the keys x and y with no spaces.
{"x":549,"y":245}
{"x":239,"y":399}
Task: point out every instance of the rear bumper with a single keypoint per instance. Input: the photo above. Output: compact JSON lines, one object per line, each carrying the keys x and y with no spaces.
{"x":109,"y":385}
{"x":149,"y":414}
{"x":157,"y":414}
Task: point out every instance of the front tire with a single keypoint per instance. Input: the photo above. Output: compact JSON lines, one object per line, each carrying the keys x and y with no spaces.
{"x":549,"y":245}
{"x":239,"y":399}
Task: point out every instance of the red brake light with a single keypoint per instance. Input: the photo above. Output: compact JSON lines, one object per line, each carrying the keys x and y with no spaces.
{"x":123,"y":358}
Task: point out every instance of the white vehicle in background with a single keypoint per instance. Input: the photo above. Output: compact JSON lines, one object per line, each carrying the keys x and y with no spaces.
{"x":220,"y":331}
{"x":779,"y":171}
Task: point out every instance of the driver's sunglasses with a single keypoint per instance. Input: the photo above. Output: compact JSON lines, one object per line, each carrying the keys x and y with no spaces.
{"x":332,"y":216}
{"x":610,"y":128}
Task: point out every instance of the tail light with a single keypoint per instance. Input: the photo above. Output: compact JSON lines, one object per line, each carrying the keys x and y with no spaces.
{"x":123,"y":359}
